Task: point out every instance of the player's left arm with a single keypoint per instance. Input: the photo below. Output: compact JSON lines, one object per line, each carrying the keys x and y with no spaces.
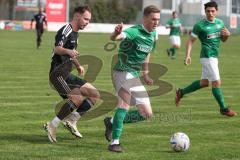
{"x":60,"y":50}
{"x":32,"y":22}
{"x":181,"y":30}
{"x":145,"y":70}
{"x":79,"y":68}
{"x":45,"y":20}
{"x":168,"y":25}
{"x":224,"y":34}
{"x":117,"y":33}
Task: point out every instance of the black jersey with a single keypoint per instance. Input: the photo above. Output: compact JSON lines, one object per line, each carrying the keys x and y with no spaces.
{"x":40,"y":18}
{"x":67,"y":38}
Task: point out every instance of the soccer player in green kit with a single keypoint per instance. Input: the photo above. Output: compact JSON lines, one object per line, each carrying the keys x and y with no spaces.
{"x":210,"y":32}
{"x":134,"y":53}
{"x":175,"y":30}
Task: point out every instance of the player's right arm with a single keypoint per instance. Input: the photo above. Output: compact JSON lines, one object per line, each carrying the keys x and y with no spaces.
{"x":32,"y":21}
{"x":169,"y":24}
{"x":189,"y":44}
{"x":60,"y":50}
{"x":117,"y":33}
{"x":192,"y":39}
{"x":61,"y":39}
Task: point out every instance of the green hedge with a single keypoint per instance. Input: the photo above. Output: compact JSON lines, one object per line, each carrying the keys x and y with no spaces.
{"x":110,"y":12}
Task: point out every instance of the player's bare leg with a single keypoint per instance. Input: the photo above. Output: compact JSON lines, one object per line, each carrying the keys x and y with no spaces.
{"x":92,"y":94}
{"x":74,"y":100}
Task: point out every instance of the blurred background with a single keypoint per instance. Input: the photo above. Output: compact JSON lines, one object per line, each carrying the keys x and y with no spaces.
{"x":16,"y":14}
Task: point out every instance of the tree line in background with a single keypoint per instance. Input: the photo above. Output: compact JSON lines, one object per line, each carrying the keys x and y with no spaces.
{"x":110,"y":11}
{"x":103,"y":11}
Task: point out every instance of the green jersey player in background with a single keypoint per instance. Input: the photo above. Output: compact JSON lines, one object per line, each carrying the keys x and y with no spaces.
{"x":134,"y":53}
{"x":175,"y":30}
{"x":210,"y":32}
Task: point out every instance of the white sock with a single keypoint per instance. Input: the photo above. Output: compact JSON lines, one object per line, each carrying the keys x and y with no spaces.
{"x":55,"y":122}
{"x":111,"y":120}
{"x":76,"y":115}
{"x":115,"y":141}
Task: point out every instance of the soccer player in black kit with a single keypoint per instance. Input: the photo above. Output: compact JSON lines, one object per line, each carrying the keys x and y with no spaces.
{"x":40,"y":18}
{"x":78,"y":95}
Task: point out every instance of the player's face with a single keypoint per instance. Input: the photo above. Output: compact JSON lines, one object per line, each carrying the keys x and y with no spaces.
{"x":211,"y":13}
{"x":40,"y":10}
{"x":84,"y":19}
{"x":174,"y":15}
{"x":151,"y":21}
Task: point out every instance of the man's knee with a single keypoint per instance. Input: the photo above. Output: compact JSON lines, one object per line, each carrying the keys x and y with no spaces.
{"x":94,"y":96}
{"x":204,"y":83}
{"x":147,"y":115}
{"x":216,"y":84}
{"x":146,"y":111}
{"x":76,"y":97}
{"x":176,"y":46}
{"x":90,"y":91}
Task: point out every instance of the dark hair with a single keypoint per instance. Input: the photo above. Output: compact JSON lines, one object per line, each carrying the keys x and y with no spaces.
{"x":211,"y":4}
{"x":174,"y":12}
{"x":150,"y":9}
{"x":82,"y":9}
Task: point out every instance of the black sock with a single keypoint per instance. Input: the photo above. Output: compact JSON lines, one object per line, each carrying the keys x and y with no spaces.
{"x":66,"y":109}
{"x":85,"y":106}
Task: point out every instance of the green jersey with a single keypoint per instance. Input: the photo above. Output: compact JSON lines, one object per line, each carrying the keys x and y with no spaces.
{"x":209,"y":36}
{"x":134,"y":48}
{"x":175,"y":26}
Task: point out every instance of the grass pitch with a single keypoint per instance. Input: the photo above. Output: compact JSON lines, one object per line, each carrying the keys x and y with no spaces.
{"x":27,"y":101}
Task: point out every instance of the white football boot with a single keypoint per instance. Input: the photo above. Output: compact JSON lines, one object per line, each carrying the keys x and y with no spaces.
{"x":70,"y":123}
{"x":51,"y":131}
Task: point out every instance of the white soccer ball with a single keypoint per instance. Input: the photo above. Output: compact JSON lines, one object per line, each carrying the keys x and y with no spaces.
{"x":179,"y":142}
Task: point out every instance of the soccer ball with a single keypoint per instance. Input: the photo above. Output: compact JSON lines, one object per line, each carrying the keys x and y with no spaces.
{"x":179,"y":142}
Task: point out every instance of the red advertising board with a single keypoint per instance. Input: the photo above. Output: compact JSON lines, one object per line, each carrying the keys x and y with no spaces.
{"x":233,"y":21}
{"x":56,"y":10}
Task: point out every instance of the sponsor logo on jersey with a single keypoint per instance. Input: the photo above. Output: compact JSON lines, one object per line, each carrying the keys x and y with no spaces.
{"x":176,"y":25}
{"x":213,"y":35}
{"x":218,"y":26}
{"x":144,"y":48}
{"x":142,"y":37}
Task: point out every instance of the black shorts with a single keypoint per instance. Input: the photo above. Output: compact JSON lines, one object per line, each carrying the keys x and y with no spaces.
{"x":62,"y":79}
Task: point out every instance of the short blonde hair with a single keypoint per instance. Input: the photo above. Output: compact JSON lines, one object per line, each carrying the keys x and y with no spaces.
{"x":150,"y":9}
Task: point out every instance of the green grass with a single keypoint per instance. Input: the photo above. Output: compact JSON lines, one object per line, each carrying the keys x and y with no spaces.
{"x":27,"y":101}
